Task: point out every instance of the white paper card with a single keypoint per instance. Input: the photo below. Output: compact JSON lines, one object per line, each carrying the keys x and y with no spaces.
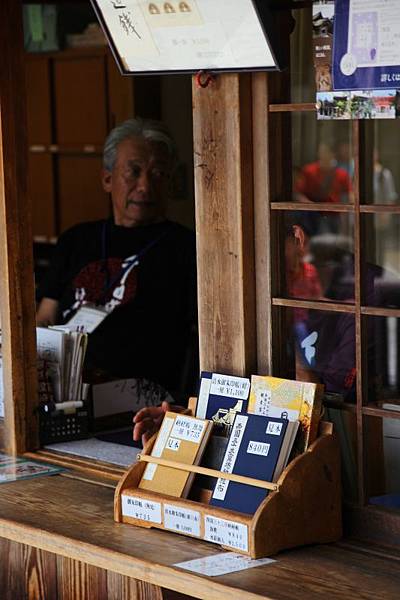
{"x":239,"y":426}
{"x":274,"y":428}
{"x":140,"y":508}
{"x":263,"y":402}
{"x":188,"y":429}
{"x":230,"y":386}
{"x":221,"y":564}
{"x":227,"y":533}
{"x":51,"y":345}
{"x":202,"y":400}
{"x":373,"y":24}
{"x":182,"y":519}
{"x":158,"y":447}
{"x":258,"y":448}
{"x":86,"y":319}
{"x":173,"y":444}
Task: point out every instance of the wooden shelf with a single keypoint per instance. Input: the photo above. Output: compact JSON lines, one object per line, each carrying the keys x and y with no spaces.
{"x":57,"y":149}
{"x":293,"y":107}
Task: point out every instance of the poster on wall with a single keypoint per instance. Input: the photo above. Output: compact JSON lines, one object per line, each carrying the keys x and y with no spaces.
{"x":367,"y":45}
{"x":323,"y":15}
{"x":358,"y":104}
{"x":351,"y":41}
{"x":162,"y":37}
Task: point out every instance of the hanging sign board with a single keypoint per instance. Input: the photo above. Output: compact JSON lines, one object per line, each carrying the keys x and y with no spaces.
{"x":367,"y":45}
{"x":176,"y":36}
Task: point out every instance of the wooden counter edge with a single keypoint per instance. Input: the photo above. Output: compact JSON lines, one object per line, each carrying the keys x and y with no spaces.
{"x":163,"y":576}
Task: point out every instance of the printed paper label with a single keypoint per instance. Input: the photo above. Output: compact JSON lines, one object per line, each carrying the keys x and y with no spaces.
{"x":188,"y":429}
{"x":274,"y":428}
{"x":86,"y":319}
{"x":263,"y":402}
{"x":181,"y":519}
{"x":259,"y":448}
{"x":173,"y":444}
{"x":141,"y":508}
{"x":231,"y":453}
{"x":221,"y":564}
{"x":230,"y":386}
{"x":227,"y":533}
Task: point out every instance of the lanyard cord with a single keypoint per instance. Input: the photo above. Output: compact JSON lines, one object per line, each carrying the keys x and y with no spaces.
{"x":104,"y":267}
{"x":128,"y":264}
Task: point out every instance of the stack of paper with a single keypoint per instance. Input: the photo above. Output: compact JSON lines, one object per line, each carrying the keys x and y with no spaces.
{"x":62,"y":351}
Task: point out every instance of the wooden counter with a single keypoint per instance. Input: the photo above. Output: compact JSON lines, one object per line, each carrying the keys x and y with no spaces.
{"x":60,"y":535}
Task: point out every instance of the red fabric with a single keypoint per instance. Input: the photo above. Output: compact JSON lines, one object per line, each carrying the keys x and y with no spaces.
{"x":304,"y":284}
{"x":317,"y":186}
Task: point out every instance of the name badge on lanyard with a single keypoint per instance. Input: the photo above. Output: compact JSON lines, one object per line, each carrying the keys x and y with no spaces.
{"x":87,"y":318}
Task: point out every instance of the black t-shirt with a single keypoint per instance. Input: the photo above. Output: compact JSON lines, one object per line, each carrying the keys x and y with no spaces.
{"x":151,"y":300}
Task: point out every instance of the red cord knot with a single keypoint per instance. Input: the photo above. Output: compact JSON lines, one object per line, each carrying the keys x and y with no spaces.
{"x":204,"y":78}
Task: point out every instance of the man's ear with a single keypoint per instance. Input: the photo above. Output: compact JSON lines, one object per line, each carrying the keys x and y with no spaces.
{"x":299,"y":236}
{"x":106,"y":180}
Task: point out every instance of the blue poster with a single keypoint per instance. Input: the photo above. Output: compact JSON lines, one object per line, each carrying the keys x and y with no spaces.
{"x":366,"y":49}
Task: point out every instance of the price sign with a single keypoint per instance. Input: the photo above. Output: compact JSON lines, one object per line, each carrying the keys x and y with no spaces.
{"x":227,"y":533}
{"x":140,"y":508}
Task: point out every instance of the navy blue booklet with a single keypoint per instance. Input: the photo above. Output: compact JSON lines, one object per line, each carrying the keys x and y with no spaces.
{"x":253,"y":450}
{"x":220,"y":397}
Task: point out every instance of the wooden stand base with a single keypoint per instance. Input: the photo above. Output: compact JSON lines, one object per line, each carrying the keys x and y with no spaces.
{"x":304,"y":509}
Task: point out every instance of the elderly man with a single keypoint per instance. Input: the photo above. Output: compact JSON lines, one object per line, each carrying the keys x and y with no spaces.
{"x":137,"y":265}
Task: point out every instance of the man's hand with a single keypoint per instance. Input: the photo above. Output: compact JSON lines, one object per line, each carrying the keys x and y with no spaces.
{"x":148,"y":420}
{"x":47,"y":312}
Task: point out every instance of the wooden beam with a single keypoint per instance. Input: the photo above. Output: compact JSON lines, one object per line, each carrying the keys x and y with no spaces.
{"x":222,"y":122}
{"x":262,"y":222}
{"x":272,"y":185}
{"x":17,"y":305}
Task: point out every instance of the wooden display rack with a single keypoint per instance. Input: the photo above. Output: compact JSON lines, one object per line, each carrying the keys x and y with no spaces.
{"x":303,"y":507}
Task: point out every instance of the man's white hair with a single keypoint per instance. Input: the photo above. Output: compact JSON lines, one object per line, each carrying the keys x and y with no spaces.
{"x":150,"y":129}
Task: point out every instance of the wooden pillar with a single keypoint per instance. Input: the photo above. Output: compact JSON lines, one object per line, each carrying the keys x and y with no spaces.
{"x":222,"y":123}
{"x":16,"y":262}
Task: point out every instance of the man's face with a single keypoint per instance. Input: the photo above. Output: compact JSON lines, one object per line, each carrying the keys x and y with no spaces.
{"x":138,"y":182}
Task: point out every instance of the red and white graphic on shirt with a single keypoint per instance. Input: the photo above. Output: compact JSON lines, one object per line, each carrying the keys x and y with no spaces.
{"x":90,"y":283}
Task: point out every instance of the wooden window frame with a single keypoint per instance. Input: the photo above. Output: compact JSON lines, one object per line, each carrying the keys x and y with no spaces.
{"x":272,"y":110}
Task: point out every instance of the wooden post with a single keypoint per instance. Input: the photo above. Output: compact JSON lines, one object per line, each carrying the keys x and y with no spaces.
{"x":17,"y":304}
{"x":222,"y":123}
{"x":272,"y":183}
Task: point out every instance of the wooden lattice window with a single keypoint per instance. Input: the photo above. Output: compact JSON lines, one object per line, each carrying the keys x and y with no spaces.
{"x":339,"y":320}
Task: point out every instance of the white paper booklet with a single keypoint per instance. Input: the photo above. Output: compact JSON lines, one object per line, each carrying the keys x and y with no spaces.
{"x":62,"y":354}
